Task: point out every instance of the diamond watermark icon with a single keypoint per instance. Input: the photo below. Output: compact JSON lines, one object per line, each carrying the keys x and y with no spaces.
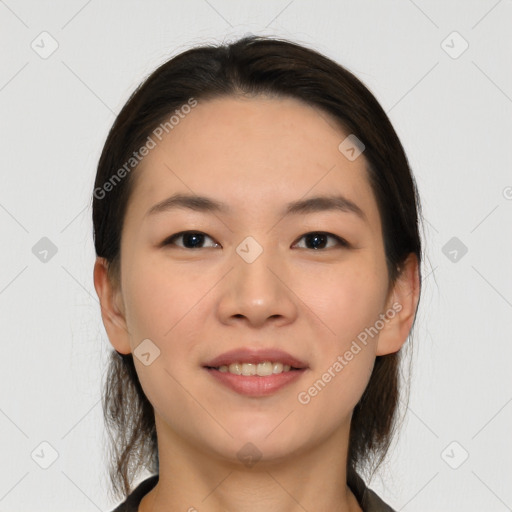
{"x":454,"y":249}
{"x":146,"y":352}
{"x":44,"y":45}
{"x":249,"y":454}
{"x":44,"y":455}
{"x":454,"y":45}
{"x":454,"y":455}
{"x":44,"y":250}
{"x":249,"y":249}
{"x":351,"y":147}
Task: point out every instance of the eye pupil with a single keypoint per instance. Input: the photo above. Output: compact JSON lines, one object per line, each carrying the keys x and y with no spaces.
{"x":316,"y":237}
{"x":188,"y":236}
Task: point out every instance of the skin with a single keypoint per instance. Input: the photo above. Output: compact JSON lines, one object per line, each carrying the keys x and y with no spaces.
{"x":255,"y":154}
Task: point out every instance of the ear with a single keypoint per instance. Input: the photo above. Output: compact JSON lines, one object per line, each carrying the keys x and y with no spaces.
{"x":402,"y":301}
{"x":112,"y":314}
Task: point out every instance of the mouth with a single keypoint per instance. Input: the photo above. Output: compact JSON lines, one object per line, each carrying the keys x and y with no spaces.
{"x":255,"y":373}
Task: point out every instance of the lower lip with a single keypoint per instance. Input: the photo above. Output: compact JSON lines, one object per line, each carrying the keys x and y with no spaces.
{"x":254,"y":385}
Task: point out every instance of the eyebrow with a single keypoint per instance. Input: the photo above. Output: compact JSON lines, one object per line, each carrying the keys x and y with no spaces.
{"x":302,"y":206}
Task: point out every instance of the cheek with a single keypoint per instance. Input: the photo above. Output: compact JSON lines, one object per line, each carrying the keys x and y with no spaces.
{"x":163,"y":307}
{"x":166,"y":305}
{"x":346,"y":306}
{"x":346,"y":301}
{"x":157,"y":297}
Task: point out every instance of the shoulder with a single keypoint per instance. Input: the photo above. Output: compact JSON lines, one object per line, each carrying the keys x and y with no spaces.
{"x":368,"y":499}
{"x":132,"y":501}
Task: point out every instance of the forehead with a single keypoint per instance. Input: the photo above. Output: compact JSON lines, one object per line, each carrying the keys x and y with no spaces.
{"x":249,"y":153}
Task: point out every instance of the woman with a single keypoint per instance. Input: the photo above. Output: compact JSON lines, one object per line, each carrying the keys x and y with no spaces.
{"x":258,"y":268}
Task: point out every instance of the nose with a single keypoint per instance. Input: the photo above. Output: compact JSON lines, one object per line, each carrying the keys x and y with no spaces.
{"x":257,"y":292}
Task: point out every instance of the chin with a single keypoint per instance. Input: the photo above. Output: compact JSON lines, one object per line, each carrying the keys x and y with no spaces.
{"x":269,"y":443}
{"x":262,"y":428}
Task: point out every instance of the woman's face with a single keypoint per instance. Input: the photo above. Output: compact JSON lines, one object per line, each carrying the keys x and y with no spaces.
{"x":251,"y":280}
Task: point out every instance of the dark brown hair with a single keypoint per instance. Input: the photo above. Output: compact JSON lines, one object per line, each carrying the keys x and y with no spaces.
{"x":253,"y":65}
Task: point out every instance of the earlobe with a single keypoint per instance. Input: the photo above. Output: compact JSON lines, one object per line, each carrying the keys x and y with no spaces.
{"x":111,"y":313}
{"x":401,"y":308}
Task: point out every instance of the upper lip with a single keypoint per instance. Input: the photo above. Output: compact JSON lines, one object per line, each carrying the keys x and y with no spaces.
{"x":246,"y":355}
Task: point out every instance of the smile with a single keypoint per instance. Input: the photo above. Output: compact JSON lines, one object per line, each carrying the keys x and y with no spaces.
{"x":263,"y":369}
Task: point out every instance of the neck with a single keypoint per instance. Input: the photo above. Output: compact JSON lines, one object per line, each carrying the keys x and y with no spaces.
{"x":191,"y":480}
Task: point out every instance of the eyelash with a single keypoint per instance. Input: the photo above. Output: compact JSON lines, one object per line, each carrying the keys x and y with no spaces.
{"x":169,"y":241}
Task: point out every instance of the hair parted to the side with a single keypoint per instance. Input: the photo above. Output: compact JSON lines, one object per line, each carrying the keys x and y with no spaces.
{"x":254,"y":65}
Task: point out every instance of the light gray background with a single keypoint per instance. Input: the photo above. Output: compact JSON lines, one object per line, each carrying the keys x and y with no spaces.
{"x":453,"y":116}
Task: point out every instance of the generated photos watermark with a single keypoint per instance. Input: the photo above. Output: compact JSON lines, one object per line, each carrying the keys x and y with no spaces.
{"x":304,"y":397}
{"x":151,"y":142}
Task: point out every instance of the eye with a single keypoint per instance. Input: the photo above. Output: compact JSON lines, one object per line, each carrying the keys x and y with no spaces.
{"x":317,"y":239}
{"x":191,"y":239}
{"x":195,"y":239}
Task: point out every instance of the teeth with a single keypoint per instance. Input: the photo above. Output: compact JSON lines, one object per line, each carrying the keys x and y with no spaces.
{"x":235,"y":368}
{"x":262,"y":369}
